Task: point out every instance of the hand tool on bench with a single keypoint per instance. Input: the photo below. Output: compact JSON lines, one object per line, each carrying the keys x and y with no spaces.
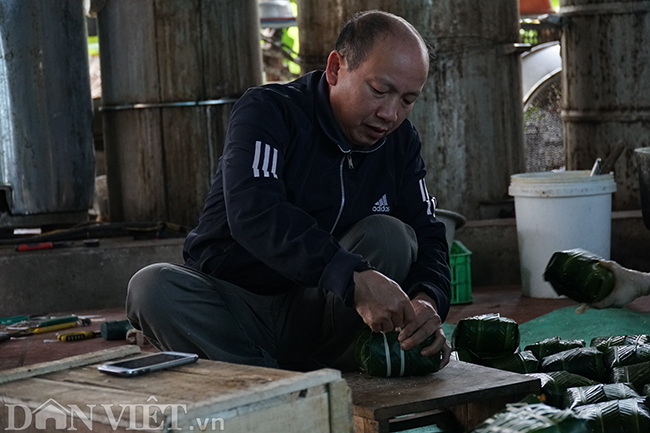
{"x":21,"y":318}
{"x":30,"y":324}
{"x":4,"y":336}
{"x":42,"y":246}
{"x":77,"y":336}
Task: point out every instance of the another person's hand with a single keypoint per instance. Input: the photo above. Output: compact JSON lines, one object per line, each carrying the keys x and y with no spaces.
{"x":381,"y":302}
{"x":426,"y":322}
{"x":628,"y":286}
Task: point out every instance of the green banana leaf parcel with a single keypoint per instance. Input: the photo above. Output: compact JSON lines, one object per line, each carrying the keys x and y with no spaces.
{"x":487,"y":336}
{"x":380,"y":354}
{"x":577,"y":274}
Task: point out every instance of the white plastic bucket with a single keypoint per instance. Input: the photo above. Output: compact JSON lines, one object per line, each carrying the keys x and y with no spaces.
{"x":557,"y":211}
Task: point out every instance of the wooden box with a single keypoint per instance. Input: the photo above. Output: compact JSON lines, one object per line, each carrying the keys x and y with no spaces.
{"x":72,"y":394}
{"x":459,"y":396}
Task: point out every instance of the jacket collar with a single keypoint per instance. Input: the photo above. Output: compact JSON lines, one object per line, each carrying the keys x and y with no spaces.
{"x":327,"y":120}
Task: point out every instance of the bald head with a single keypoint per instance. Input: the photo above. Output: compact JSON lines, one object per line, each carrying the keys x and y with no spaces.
{"x":375,"y":75}
{"x":359,"y":35}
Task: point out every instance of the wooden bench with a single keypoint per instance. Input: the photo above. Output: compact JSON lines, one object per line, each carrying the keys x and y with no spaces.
{"x":71,"y":394}
{"x":459,"y":397}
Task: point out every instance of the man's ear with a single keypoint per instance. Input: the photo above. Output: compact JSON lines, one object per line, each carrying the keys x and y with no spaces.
{"x":334,"y":64}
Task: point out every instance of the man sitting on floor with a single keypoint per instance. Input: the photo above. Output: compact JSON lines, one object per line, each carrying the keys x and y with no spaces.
{"x":317,"y":221}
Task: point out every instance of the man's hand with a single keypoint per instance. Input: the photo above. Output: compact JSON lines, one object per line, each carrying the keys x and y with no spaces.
{"x":628,"y":286}
{"x":384,"y":306}
{"x":426,"y":322}
{"x":381,"y":302}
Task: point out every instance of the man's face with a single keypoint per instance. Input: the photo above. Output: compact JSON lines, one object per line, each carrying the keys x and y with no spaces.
{"x":372,"y":100}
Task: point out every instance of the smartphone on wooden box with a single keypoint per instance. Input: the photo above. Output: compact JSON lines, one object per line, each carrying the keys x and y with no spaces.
{"x":145,"y":364}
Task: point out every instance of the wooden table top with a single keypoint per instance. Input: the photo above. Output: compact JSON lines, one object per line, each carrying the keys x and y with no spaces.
{"x":229,"y":397}
{"x":458,"y":383}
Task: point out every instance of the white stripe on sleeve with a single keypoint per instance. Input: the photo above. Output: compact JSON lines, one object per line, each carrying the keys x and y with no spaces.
{"x":261,"y":164}
{"x":256,"y":158}
{"x":425,"y":196}
{"x":423,"y":190}
{"x":275,"y":163}
{"x":267,"y":154}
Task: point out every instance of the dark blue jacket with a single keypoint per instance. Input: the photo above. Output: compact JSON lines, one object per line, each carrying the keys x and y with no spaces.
{"x":289,"y":183}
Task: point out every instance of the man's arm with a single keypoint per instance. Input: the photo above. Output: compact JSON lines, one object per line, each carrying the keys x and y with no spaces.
{"x":384,"y":307}
{"x":260,"y":217}
{"x":381,"y":302}
{"x":429,"y":279}
{"x":430,"y":273}
{"x":427,"y":322}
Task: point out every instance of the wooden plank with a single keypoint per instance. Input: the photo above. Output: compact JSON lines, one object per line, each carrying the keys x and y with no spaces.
{"x":135,"y":165}
{"x":237,"y":398}
{"x":458,"y":383}
{"x":195,"y":382}
{"x":90,"y":386}
{"x":187,"y":163}
{"x":112,"y":395}
{"x":67,"y":363}
{"x":285,"y":413}
{"x":340,"y":407}
{"x":365,"y":425}
{"x":178,"y":45}
{"x":470,"y":415}
{"x":232,"y":58}
{"x":234,"y":371}
{"x":25,"y":423}
{"x":127,"y":35}
{"x":308,"y":414}
{"x":436,"y":417}
{"x":110,"y":406}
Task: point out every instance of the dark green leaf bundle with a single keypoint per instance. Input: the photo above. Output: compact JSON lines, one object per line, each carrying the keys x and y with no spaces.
{"x":604,"y":343}
{"x":487,"y":336}
{"x":585,"y":361}
{"x":637,"y":374}
{"x":620,"y":356}
{"x":532,"y":418}
{"x":616,"y":416}
{"x":646,"y":390}
{"x":468,"y":356}
{"x":555,"y":384}
{"x":577,"y":274}
{"x":381,"y":355}
{"x":583,"y":395}
{"x":520,"y":362}
{"x":551,"y":346}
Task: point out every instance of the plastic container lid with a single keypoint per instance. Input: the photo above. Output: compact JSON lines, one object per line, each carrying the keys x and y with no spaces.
{"x":560,"y":184}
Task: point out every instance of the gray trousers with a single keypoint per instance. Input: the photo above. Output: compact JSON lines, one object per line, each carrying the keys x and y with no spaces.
{"x":182,"y":309}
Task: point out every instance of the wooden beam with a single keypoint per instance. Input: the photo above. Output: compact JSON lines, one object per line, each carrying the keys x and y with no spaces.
{"x":67,"y":363}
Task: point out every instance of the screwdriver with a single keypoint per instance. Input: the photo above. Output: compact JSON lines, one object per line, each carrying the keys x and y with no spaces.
{"x":42,"y":246}
{"x":50,"y":328}
{"x":77,"y":336}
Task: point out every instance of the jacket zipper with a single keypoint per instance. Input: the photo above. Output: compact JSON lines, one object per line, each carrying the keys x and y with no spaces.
{"x":338,"y":217}
{"x":347,"y":154}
